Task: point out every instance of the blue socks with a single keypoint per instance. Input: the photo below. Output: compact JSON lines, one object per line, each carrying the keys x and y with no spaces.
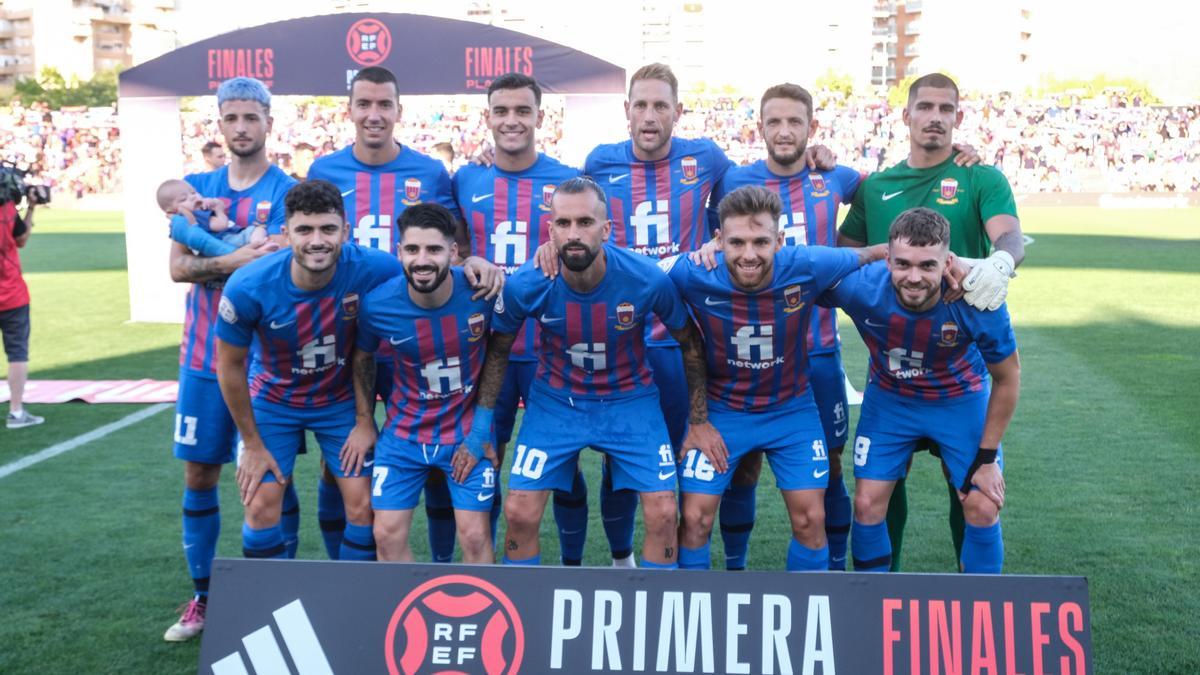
{"x":264,"y":543}
{"x":738,"y":506}
{"x":289,"y":519}
{"x":618,"y":509}
{"x":358,"y":543}
{"x":695,"y":558}
{"x":871,"y":547}
{"x":331,"y":515}
{"x":801,"y":558}
{"x":201,"y":529}
{"x":529,"y":562}
{"x":571,"y":516}
{"x":983,"y":549}
{"x":646,"y":564}
{"x":837,"y":522}
{"x":440,"y":512}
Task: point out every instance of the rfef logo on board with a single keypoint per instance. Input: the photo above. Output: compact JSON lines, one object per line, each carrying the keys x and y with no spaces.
{"x":369,"y":42}
{"x":455,"y":622}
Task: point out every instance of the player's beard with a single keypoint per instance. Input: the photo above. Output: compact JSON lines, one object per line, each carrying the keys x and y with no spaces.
{"x":581,"y":262}
{"x":430,"y":286}
{"x":790,"y":158}
{"x":251,"y":150}
{"x":929,"y":295}
{"x":750,"y":279}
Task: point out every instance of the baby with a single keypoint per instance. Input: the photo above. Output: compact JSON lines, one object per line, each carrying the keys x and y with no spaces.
{"x":202,"y":224}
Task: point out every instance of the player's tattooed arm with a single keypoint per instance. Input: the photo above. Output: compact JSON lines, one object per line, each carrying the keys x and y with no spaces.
{"x":701,"y":433}
{"x":495,"y":364}
{"x":255,"y":460}
{"x":187,"y":267}
{"x":870,"y":254}
{"x":1005,"y":232}
{"x":362,"y":437}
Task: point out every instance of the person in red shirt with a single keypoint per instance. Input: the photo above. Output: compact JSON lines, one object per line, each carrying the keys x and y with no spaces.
{"x":14,"y":309}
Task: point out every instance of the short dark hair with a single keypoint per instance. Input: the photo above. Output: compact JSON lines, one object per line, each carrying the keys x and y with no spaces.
{"x":579,"y":185}
{"x":750,"y":200}
{"x":788,"y":90}
{"x":920,"y":227}
{"x":208,"y":147}
{"x":375,"y":75}
{"x":313,"y":196}
{"x":515,"y":81}
{"x":932,"y":80}
{"x":428,"y":215}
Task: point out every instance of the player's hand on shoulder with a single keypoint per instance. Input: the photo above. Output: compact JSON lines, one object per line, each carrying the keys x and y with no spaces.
{"x":706,"y":255}
{"x":486,"y":278}
{"x":485,"y":157}
{"x":819,"y":157}
{"x":705,"y":438}
{"x":546,"y":259}
{"x":254,"y":462}
{"x":957,"y":269}
{"x":357,"y":446}
{"x":967,"y":155}
{"x":986,"y":287}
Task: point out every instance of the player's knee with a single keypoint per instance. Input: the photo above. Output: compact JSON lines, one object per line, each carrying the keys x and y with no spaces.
{"x":979,"y":511}
{"x":521,"y":514}
{"x":869,"y":509}
{"x":200,"y":476}
{"x":808,"y":520}
{"x":697,"y":520}
{"x":475,"y":540}
{"x":660,"y":514}
{"x":390,"y":533}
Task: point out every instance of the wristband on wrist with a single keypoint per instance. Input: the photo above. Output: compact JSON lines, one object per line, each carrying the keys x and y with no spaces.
{"x":481,"y":430}
{"x":982,"y":456}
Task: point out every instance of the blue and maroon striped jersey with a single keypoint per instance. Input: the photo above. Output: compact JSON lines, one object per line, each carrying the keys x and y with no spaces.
{"x":658,"y":208}
{"x":508,"y":217}
{"x":299,"y":340}
{"x":437,"y":356}
{"x":810,"y":209}
{"x":260,"y":204}
{"x":937,"y":354}
{"x":593,"y":344}
{"x":375,"y":195}
{"x":754,"y":342}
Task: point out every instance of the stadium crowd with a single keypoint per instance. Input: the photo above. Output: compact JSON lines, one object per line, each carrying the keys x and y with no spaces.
{"x":1113,"y":145}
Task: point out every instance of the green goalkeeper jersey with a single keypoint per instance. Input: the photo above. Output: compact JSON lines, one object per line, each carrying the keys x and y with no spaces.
{"x":966,"y":196}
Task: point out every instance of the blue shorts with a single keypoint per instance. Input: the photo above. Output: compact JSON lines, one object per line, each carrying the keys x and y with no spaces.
{"x":666,"y":364}
{"x":629,"y":430}
{"x":282,"y":430}
{"x":790,"y":436}
{"x":828,"y":383}
{"x":204,"y":430}
{"x":401,"y":468}
{"x":515,"y":389}
{"x":891,"y":426}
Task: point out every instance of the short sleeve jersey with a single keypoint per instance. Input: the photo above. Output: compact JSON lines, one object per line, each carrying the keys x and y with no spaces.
{"x":260,"y":204}
{"x":300,"y":341}
{"x":593,"y":344}
{"x":508,"y":217}
{"x":437,"y":356}
{"x":810,"y":209}
{"x":967,"y":196}
{"x":658,"y":209}
{"x":374,"y":196}
{"x":934,"y":355}
{"x":754,"y":342}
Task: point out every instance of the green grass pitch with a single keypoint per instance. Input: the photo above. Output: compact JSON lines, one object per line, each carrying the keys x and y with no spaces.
{"x":1103,"y":458}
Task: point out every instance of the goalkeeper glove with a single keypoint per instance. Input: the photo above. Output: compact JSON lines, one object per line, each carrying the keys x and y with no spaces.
{"x":987,"y":284}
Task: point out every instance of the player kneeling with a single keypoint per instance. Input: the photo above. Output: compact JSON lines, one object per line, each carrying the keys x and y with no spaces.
{"x":929,"y":380}
{"x":754,"y":309}
{"x":438,"y":333}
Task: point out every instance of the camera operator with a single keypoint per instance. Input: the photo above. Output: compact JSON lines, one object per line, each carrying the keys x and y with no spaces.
{"x":14,"y":300}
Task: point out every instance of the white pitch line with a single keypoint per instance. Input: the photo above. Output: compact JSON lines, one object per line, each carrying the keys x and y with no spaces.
{"x":82,"y":439}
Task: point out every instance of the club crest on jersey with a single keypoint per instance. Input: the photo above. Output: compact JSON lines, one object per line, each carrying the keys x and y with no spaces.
{"x":691,"y":169}
{"x":547,"y":196}
{"x":350,"y":306}
{"x":475,"y":325}
{"x":412,"y":191}
{"x":792,"y":298}
{"x":262,"y":212}
{"x":817,"y":181}
{"x":625,"y":316}
{"x":949,"y":335}
{"x":948,"y":192}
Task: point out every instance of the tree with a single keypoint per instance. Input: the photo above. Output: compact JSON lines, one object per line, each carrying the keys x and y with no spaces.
{"x":836,"y":81}
{"x":51,"y":88}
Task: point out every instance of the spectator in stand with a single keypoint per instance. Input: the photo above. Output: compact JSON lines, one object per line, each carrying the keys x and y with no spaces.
{"x":214,"y":155}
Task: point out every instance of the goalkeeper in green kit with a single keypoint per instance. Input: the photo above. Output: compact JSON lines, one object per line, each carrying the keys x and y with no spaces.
{"x":984,"y":228}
